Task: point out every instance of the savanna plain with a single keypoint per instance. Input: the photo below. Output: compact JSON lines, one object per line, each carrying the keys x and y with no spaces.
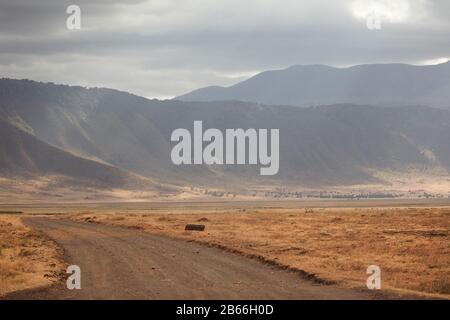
{"x":330,"y":243}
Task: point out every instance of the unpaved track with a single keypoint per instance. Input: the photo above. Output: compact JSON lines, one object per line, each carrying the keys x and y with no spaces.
{"x":118,"y":263}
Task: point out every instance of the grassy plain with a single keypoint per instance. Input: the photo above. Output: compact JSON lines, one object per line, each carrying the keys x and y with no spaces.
{"x":333,"y":241}
{"x":411,"y":245}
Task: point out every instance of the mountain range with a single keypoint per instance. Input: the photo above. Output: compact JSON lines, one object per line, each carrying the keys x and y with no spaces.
{"x":104,"y":139}
{"x":373,"y":84}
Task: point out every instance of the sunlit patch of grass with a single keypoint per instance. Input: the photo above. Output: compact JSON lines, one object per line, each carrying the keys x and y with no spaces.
{"x":27,"y":258}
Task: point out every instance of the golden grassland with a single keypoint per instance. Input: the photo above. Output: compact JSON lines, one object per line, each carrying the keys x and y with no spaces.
{"x":27,"y":258}
{"x":411,"y":245}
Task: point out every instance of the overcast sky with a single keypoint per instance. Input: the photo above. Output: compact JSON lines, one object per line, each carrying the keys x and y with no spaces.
{"x":164,"y":48}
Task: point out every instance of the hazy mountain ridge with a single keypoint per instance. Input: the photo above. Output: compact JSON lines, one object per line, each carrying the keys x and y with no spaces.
{"x":327,"y":145}
{"x":377,"y":84}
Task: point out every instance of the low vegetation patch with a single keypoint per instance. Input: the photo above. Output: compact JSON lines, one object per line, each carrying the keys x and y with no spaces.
{"x":27,"y":258}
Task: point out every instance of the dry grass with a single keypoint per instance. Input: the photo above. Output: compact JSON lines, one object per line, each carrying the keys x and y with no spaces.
{"x":411,"y":245}
{"x":27,"y":258}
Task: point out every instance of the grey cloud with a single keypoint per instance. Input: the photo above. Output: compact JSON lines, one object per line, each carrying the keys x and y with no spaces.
{"x":165,"y":48}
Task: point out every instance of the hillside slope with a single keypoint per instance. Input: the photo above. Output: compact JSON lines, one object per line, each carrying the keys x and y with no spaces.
{"x":321,"y":146}
{"x":25,"y":158}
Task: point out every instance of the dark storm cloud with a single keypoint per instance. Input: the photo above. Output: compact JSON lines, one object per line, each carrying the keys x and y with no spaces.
{"x":167,"y":47}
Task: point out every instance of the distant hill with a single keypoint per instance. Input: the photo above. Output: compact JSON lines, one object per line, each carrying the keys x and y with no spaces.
{"x":107,"y":135}
{"x":312,"y":85}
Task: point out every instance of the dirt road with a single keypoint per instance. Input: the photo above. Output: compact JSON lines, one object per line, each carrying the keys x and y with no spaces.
{"x":119,"y":263}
